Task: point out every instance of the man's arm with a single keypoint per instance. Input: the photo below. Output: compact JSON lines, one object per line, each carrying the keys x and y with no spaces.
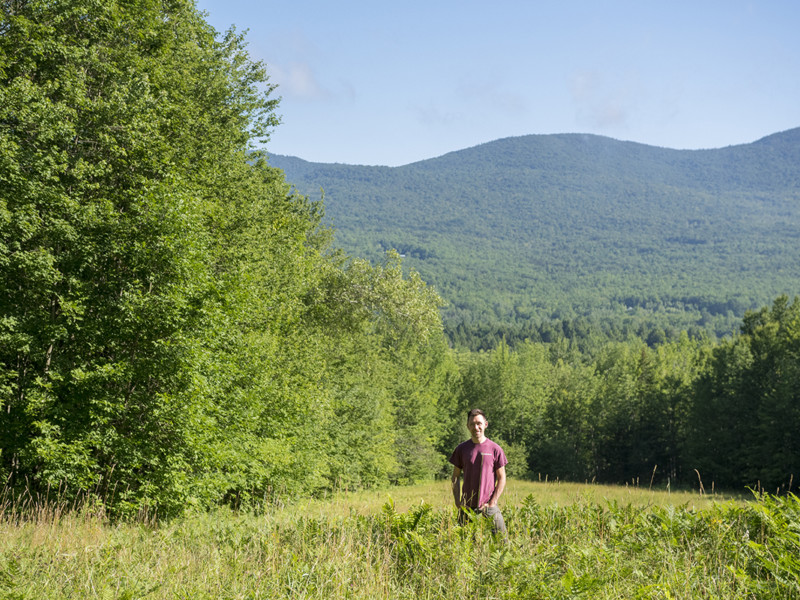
{"x":455,"y":484}
{"x":499,"y":486}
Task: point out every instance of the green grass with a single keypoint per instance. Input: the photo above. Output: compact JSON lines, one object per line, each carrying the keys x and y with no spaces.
{"x":438,"y":495}
{"x":565,"y":541}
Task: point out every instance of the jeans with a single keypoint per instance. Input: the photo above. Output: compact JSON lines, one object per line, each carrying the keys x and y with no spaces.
{"x":490,"y":512}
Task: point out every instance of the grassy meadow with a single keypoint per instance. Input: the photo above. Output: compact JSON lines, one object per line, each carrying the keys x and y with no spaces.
{"x":565,"y":541}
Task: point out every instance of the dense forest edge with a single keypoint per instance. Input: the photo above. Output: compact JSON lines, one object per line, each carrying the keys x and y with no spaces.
{"x":178,"y":329}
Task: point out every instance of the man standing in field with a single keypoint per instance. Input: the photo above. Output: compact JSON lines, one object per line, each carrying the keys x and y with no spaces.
{"x":484,"y":466}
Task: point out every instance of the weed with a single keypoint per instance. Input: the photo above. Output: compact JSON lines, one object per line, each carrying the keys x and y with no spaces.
{"x":572,"y":543}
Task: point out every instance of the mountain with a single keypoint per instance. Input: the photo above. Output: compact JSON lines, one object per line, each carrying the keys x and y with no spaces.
{"x":572,"y":226}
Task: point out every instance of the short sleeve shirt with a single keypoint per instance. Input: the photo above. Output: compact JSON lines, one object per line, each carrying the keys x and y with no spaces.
{"x":479,"y":463}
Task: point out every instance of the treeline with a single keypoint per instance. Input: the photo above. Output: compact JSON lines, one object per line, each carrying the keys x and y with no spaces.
{"x":177,"y":330}
{"x":687,"y":412}
{"x":653,"y":320}
{"x":588,"y":335}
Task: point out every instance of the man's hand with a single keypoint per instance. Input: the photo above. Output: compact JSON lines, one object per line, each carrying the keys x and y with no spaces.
{"x":455,"y":483}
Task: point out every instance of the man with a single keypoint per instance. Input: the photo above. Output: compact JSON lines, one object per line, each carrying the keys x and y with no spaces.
{"x":484,"y":466}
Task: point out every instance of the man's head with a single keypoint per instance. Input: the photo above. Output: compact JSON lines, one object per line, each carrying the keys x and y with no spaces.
{"x":476,"y":423}
{"x":474,"y":412}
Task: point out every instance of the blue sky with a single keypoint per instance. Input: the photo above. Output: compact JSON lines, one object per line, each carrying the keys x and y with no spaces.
{"x":371,"y":82}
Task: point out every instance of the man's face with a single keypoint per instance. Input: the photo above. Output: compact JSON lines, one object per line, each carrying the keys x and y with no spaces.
{"x":476,"y":426}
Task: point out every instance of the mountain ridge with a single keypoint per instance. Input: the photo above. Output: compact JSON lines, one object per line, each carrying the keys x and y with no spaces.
{"x":541,"y":226}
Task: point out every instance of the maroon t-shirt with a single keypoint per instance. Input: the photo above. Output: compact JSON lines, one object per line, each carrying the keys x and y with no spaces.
{"x":478,"y":462}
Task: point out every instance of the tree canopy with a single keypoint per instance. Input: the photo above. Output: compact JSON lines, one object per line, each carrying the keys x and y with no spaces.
{"x":171,"y":308}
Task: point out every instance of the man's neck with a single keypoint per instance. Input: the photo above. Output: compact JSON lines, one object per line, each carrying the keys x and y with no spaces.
{"x":480,"y":440}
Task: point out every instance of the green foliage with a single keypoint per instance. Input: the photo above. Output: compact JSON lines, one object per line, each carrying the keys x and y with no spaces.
{"x":174,"y":330}
{"x":746,"y":410}
{"x":527,"y":235}
{"x":107,"y":263}
{"x":682,"y":413}
{"x":776,"y":549}
{"x":578,"y":549}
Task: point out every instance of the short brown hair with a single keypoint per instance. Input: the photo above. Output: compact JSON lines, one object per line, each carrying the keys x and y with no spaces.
{"x":475,"y":412}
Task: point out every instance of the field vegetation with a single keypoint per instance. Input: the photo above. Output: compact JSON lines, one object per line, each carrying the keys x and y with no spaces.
{"x":565,"y":541}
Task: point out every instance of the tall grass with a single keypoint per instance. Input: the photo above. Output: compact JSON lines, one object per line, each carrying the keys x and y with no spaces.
{"x":438,"y":495}
{"x":565,"y":541}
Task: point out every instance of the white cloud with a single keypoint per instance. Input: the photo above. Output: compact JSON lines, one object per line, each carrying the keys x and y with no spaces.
{"x":600,"y":103}
{"x":431,"y":115}
{"x":297,"y":80}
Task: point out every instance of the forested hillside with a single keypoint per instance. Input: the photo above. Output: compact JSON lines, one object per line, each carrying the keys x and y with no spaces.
{"x":522,"y":234}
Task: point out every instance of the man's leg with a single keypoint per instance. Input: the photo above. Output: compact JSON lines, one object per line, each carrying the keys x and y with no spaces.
{"x":498,"y":523}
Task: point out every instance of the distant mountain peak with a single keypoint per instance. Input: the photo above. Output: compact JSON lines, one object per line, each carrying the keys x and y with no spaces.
{"x":536,"y":226}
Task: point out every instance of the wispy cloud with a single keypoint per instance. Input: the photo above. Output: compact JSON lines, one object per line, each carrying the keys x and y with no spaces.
{"x":599,"y":102}
{"x":298,"y":80}
{"x":431,"y":115}
{"x":493,"y":95}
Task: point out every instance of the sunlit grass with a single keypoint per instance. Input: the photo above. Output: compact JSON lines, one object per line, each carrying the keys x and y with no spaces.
{"x":439,"y":496}
{"x":565,"y":540}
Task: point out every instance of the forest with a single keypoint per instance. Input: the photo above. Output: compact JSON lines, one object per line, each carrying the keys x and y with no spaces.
{"x":527,"y":235}
{"x":180,"y":327}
